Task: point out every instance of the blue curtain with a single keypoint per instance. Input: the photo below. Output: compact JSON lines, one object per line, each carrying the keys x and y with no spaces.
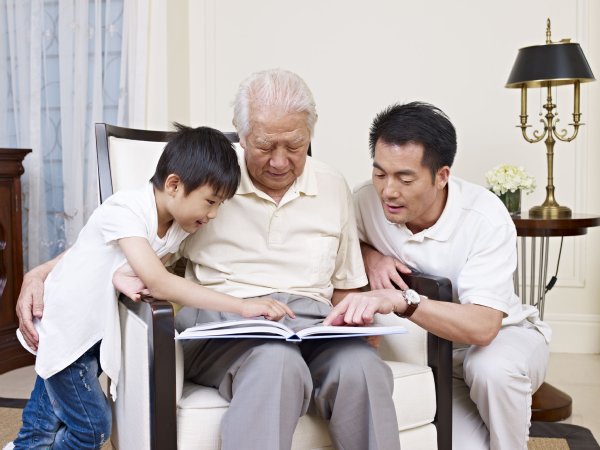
{"x":60,"y":71}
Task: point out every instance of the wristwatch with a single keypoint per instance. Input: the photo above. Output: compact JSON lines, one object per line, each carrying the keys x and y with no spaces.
{"x":413,"y":299}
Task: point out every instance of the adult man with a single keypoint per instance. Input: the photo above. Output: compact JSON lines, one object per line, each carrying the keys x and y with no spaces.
{"x":289,"y":233}
{"x":414,"y":216}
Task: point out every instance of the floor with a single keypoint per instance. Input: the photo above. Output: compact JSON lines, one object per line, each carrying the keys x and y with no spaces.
{"x":576,"y":374}
{"x":579,"y":376}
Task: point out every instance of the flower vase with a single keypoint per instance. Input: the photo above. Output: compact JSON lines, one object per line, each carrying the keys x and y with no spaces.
{"x":512,"y":201}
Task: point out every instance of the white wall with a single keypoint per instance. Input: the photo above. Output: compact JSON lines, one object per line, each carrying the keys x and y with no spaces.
{"x":359,"y":57}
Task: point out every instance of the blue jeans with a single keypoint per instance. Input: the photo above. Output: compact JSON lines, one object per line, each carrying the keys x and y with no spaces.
{"x":68,"y":410}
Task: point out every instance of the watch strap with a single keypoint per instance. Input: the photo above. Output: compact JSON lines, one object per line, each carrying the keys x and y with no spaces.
{"x":410,"y":307}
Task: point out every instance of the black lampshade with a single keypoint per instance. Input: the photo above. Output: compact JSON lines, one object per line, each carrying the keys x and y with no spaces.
{"x":557,"y":64}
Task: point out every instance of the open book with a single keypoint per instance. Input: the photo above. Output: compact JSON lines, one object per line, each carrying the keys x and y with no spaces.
{"x":260,"y":328}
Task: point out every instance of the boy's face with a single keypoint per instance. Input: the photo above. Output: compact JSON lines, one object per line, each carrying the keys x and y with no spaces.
{"x":195,"y":209}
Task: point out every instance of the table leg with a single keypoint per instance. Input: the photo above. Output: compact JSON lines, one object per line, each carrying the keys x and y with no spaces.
{"x":549,"y":404}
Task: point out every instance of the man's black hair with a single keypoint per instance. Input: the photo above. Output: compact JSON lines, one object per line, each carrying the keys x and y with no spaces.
{"x":418,"y":123}
{"x":199,"y":156}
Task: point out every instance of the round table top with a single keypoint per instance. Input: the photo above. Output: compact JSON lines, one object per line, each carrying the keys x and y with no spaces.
{"x":575,"y":225}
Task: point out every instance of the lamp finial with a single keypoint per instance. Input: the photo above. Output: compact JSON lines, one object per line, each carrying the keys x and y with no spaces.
{"x":548,"y":33}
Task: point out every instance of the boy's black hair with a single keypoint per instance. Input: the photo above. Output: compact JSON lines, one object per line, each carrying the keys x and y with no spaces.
{"x":199,"y":156}
{"x":419,"y":123}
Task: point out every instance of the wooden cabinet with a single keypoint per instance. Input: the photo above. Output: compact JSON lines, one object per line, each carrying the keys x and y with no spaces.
{"x":12,"y":355}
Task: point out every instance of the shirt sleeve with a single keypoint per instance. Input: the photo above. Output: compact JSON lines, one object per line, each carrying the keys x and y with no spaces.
{"x":349,"y":269}
{"x":121,"y":219}
{"x":487,"y":276}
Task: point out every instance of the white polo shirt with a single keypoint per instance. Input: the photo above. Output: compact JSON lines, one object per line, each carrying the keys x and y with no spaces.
{"x":307,"y":245}
{"x":80,"y":301}
{"x":473,"y":244}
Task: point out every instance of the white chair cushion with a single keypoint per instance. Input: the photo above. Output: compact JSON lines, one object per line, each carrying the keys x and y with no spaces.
{"x":132,"y":163}
{"x":200,"y":410}
{"x":131,"y":427}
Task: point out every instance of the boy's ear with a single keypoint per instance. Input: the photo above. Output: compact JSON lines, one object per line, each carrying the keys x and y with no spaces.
{"x":173,"y":184}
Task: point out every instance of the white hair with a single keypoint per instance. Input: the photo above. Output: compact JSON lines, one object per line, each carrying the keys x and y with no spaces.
{"x":273,"y":88}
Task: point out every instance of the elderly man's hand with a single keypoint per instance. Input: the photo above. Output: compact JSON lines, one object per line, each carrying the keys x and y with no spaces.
{"x":360,"y":308}
{"x":382,"y":270}
{"x":30,"y":304}
{"x":267,"y":307}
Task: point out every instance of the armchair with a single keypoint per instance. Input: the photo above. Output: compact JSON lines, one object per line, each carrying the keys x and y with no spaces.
{"x":157,"y":409}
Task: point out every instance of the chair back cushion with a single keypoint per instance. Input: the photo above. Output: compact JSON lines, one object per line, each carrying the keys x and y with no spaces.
{"x":132,"y":163}
{"x":410,"y":347}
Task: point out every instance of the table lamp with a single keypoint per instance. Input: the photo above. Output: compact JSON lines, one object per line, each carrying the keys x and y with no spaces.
{"x":544,"y":66}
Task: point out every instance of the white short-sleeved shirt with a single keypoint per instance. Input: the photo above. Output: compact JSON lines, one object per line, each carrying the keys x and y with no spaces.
{"x":473,"y":244}
{"x":80,"y":305}
{"x":307,"y":245}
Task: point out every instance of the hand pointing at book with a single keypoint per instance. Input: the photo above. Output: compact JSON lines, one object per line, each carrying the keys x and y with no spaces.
{"x":266,"y":307}
{"x":127,"y":282}
{"x":359,"y":308}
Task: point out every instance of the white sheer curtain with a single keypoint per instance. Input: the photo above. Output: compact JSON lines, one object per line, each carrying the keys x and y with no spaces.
{"x":64,"y":65}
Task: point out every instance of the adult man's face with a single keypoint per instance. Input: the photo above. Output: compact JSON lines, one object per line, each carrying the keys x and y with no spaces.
{"x":408,"y":192}
{"x":276,"y":149}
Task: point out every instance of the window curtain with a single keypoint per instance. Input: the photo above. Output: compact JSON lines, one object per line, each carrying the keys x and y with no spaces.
{"x":66,"y":64}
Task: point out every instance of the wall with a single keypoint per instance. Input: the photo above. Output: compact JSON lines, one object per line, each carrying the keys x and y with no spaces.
{"x":359,"y":57}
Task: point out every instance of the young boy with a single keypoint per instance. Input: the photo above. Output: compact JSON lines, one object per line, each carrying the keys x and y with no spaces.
{"x":79,"y":334}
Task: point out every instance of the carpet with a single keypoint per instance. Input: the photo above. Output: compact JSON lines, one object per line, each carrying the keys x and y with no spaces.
{"x":561,"y":436}
{"x":544,"y":435}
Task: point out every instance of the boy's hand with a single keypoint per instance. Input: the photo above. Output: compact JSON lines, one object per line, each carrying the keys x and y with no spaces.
{"x":267,"y":307}
{"x":127,"y":282}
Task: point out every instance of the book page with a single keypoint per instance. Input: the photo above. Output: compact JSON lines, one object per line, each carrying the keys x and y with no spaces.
{"x":323,"y":331}
{"x":237,"y":328}
{"x":261,"y":328}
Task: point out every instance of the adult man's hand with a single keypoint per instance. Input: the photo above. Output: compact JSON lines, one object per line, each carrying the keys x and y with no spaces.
{"x":360,"y":308}
{"x":383,"y":272}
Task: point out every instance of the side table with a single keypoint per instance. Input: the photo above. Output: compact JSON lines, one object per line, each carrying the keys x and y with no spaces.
{"x":549,"y":404}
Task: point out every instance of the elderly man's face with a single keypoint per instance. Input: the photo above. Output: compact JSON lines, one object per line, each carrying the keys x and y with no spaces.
{"x":405,"y":186}
{"x":276,"y":150}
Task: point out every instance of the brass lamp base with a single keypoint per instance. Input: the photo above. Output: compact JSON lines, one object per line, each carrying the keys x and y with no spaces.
{"x":550,"y":212}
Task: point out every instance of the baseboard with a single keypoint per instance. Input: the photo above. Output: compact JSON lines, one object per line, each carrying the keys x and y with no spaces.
{"x":574,"y":333}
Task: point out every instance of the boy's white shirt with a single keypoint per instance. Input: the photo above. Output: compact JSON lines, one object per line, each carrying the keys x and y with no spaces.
{"x":80,"y":302}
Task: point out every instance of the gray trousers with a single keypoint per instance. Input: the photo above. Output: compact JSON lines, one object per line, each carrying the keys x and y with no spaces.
{"x":493,"y":385}
{"x":271,"y":383}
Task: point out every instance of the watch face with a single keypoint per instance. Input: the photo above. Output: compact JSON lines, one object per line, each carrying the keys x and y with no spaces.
{"x":412,"y":297}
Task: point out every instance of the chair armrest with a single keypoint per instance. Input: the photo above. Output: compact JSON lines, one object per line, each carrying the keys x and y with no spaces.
{"x":156,"y":318}
{"x":439,"y":355}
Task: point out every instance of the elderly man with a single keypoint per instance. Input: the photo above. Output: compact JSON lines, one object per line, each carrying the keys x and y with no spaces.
{"x":414,"y":216}
{"x":289,"y":233}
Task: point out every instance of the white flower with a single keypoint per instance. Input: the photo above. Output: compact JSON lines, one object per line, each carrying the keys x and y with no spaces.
{"x":504,"y":178}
